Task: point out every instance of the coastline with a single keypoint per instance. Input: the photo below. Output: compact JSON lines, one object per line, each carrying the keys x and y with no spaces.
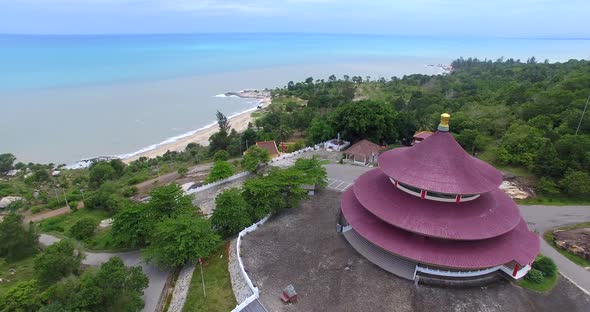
{"x":239,"y":122}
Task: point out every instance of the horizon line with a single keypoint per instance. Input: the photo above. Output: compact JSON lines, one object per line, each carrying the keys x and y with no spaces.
{"x":294,"y":33}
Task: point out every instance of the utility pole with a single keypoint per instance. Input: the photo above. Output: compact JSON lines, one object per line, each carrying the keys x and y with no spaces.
{"x":583,"y":112}
{"x":66,"y":198}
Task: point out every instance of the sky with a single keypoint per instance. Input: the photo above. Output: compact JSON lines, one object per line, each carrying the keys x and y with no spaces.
{"x":495,"y":18}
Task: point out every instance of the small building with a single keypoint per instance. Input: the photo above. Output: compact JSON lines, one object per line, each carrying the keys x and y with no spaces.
{"x":420,"y":136}
{"x":270,"y":147}
{"x":12,"y":173}
{"x":336,"y":145}
{"x":363,"y":152}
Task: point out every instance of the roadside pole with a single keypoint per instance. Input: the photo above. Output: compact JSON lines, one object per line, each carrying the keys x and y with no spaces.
{"x":202,"y":278}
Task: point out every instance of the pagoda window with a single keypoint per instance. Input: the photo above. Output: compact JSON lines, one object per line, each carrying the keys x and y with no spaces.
{"x":441,"y":195}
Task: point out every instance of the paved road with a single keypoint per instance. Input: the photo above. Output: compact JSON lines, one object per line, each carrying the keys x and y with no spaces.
{"x":543,"y":218}
{"x":539,"y":218}
{"x":157,"y":278}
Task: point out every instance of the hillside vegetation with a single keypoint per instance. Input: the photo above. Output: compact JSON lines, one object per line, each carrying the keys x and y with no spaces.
{"x":510,"y":113}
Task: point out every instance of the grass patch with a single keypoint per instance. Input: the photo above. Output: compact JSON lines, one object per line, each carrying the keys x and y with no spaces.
{"x":102,"y":240}
{"x":549,"y":238}
{"x":554,"y":200}
{"x":24,"y":271}
{"x":63,"y":223}
{"x":546,"y":285}
{"x":220,"y":296}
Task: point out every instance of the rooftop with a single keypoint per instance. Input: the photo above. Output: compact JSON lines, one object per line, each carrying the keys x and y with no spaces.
{"x":270,"y":147}
{"x":440,"y":164}
{"x":363,"y":148}
{"x":518,"y":245}
{"x":490,"y":215}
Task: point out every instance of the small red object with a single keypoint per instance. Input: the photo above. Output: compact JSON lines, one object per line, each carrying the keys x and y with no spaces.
{"x":200,"y":260}
{"x":516,"y":267}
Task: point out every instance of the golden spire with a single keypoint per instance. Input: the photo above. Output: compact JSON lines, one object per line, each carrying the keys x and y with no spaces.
{"x":444,"y":122}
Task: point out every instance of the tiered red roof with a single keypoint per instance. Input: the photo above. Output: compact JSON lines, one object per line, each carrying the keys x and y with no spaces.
{"x":484,"y":232}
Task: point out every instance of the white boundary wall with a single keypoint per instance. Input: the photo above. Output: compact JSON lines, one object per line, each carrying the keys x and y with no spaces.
{"x":255,"y":292}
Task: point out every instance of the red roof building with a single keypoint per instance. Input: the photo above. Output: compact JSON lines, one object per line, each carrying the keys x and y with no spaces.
{"x":364,"y":151}
{"x":432,"y":210}
{"x":270,"y":147}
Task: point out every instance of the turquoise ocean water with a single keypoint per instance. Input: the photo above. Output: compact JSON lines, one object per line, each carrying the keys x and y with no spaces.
{"x":73,"y":97}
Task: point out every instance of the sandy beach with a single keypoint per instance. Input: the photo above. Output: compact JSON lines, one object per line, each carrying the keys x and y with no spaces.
{"x":238,"y":122}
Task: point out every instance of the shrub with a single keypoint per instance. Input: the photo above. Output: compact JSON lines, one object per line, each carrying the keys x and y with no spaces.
{"x":545,"y":265}
{"x":220,"y":171}
{"x":221,"y":156}
{"x":535,"y":276}
{"x":83,"y":228}
{"x":182,"y":171}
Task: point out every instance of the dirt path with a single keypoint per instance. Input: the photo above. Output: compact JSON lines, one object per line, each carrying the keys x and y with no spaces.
{"x":46,"y":215}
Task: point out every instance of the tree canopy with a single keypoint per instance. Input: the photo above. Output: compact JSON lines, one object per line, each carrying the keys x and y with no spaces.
{"x":253,"y":157}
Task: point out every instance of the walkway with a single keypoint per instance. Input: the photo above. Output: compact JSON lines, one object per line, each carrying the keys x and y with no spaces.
{"x":157,"y":278}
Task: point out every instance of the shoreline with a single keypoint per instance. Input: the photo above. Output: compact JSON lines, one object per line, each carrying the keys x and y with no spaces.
{"x":238,"y":121}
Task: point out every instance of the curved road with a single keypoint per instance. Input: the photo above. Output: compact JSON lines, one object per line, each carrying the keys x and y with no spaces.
{"x":539,"y":219}
{"x":544,"y":218}
{"x":157,"y":278}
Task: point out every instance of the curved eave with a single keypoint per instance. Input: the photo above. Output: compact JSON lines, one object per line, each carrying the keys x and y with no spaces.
{"x":491,"y":215}
{"x":518,"y":245}
{"x":439,"y":164}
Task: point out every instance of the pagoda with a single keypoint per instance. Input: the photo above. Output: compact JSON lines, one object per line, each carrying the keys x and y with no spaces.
{"x":432,"y":210}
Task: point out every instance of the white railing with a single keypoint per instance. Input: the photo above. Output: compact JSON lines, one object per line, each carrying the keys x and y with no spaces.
{"x":289,"y":155}
{"x":519,"y":274}
{"x":456,"y":273}
{"x":255,"y":292}
{"x":210,"y":185}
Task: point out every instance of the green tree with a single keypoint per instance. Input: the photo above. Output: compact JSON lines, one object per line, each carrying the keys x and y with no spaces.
{"x":107,"y":197}
{"x":253,"y":157}
{"x":6,"y":162}
{"x":221,"y":156}
{"x":113,"y":287}
{"x":132,"y":225}
{"x":223,"y":122}
{"x":520,"y":145}
{"x":176,"y":241}
{"x":366,"y":119}
{"x":231,"y":213}
{"x":83,"y":228}
{"x":576,"y":182}
{"x":320,"y":131}
{"x":22,"y":297}
{"x":56,"y":262}
{"x":220,"y":171}
{"x":16,"y":242}
{"x":99,"y":172}
{"x":312,"y":171}
{"x":169,"y":200}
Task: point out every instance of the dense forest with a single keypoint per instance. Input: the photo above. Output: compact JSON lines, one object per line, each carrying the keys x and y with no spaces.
{"x":510,"y":113}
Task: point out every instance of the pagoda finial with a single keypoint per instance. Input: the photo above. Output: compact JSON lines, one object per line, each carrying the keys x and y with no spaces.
{"x":444,"y":122}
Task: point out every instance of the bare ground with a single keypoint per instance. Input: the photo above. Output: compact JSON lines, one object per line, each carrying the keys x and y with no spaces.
{"x":301,"y":247}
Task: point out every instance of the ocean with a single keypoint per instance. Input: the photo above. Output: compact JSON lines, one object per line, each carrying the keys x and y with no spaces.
{"x":65,"y":98}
